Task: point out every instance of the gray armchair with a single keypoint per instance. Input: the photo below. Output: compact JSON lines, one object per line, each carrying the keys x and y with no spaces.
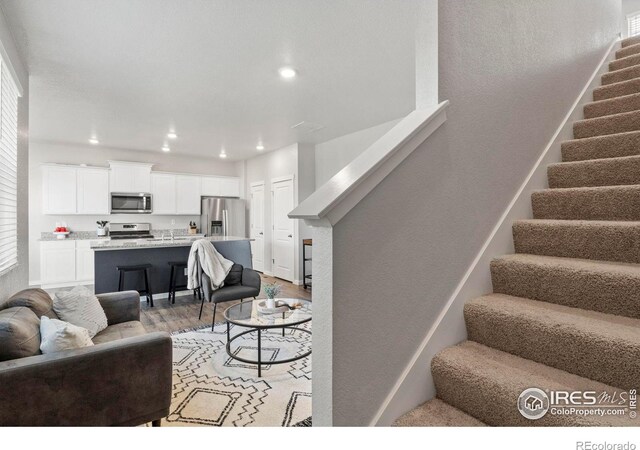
{"x":124,"y":379}
{"x":240,"y":253}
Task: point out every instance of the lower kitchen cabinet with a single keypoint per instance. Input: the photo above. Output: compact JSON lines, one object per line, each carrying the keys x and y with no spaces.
{"x":66,"y":262}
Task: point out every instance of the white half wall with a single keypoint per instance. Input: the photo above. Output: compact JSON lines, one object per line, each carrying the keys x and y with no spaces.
{"x":44,"y":152}
{"x":399,"y":255}
{"x":332,"y":156}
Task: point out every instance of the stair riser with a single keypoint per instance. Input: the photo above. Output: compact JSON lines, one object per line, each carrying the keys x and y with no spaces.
{"x":611,"y":146}
{"x":612,"y":106}
{"x":611,"y":361}
{"x":623,"y":63}
{"x":487,"y":400}
{"x":601,"y":172}
{"x":621,"y":75}
{"x":617,"y":90}
{"x":581,"y":242}
{"x":628,"y":51}
{"x":606,"y":292}
{"x":607,"y":204}
{"x":620,"y":123}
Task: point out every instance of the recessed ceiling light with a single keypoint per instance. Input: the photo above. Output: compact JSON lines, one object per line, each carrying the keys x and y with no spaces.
{"x":94,"y":141}
{"x":165,"y":148}
{"x":287,"y":72}
{"x":172,"y":135}
{"x":223,"y":154}
{"x":260,"y":147}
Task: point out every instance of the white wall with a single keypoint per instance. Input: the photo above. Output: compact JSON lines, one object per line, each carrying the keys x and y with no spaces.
{"x":17,"y":278}
{"x":43,"y":152}
{"x":332,"y":156}
{"x":628,"y":7}
{"x":265,"y":167}
{"x":400,"y":253}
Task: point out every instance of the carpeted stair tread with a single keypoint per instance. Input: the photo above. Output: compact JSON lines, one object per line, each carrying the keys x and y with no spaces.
{"x":623,"y":63}
{"x":436,"y":413}
{"x":601,"y":347}
{"x":486,"y":383}
{"x":629,"y":50}
{"x":613,"y":124}
{"x":596,"y":172}
{"x":616,"y":76}
{"x":612,"y":106}
{"x":602,"y":147}
{"x":630,"y":41}
{"x":588,"y":203}
{"x":616,"y":241}
{"x":617,"y":89}
{"x":608,"y":287}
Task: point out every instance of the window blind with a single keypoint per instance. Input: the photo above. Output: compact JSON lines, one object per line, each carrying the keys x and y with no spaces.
{"x":8,"y":170}
{"x":633,"y":22}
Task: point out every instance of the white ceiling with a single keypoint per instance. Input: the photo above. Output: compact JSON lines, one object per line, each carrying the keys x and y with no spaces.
{"x":131,"y":70}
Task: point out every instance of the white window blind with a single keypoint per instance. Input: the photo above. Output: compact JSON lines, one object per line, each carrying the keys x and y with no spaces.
{"x":8,"y":170}
{"x":633,"y":23}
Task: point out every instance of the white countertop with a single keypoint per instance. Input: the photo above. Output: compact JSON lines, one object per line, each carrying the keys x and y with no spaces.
{"x":179,"y":241}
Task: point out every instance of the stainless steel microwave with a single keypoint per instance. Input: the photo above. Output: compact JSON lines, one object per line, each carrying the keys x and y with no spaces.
{"x":131,"y":203}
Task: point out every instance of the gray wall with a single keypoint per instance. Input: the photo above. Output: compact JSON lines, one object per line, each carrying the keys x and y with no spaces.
{"x":628,"y":7}
{"x":511,"y":70}
{"x":44,"y":152}
{"x":17,"y":278}
{"x":332,"y":156}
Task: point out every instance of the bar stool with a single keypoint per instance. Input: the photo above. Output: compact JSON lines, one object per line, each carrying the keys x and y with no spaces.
{"x":144,"y":268}
{"x":176,"y":266}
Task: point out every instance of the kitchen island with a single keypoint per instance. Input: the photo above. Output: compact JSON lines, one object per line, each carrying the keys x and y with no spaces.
{"x":109,"y":254}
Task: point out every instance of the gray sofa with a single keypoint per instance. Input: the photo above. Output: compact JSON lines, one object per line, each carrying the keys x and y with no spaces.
{"x":124,"y":379}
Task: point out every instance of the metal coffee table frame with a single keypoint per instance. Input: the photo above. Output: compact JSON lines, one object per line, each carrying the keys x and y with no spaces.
{"x":258,"y":329}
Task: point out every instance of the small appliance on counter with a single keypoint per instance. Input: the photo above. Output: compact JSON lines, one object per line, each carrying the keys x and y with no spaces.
{"x":130,"y":231}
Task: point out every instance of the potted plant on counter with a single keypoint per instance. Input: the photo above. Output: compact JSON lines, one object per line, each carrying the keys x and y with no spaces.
{"x":102,"y":227}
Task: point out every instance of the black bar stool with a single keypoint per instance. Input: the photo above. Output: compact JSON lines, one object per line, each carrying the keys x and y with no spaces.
{"x":176,"y":266}
{"x":144,"y":268}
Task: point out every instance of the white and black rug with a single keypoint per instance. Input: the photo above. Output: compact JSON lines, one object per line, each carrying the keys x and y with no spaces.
{"x":210,"y":388}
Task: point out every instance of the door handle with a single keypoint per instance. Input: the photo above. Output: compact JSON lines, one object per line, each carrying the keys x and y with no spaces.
{"x":261,"y":233}
{"x":290,"y":236}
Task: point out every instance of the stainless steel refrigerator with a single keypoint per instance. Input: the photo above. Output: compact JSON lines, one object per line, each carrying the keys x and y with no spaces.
{"x":222,"y":217}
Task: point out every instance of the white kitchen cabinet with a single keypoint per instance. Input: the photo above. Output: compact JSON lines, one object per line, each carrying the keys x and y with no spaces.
{"x":188,"y":194}
{"x":57,"y":262}
{"x":163,"y":189}
{"x":129,"y":177}
{"x":229,"y":187}
{"x":92,"y":191}
{"x":211,"y":186}
{"x":84,"y":261}
{"x":59,"y":186}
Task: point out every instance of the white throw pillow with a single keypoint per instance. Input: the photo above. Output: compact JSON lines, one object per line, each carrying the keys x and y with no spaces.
{"x":57,"y":335}
{"x":81,"y":308}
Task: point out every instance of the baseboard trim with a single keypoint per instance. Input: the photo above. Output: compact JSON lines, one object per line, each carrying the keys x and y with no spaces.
{"x":415,"y":384}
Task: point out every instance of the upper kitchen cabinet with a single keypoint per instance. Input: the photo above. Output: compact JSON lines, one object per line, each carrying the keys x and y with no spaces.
{"x":188,"y":194}
{"x":59,"y":186}
{"x":75,"y":190}
{"x":92,"y":190}
{"x":210,"y":186}
{"x":229,"y":187}
{"x":163,"y":189}
{"x":130,"y":176}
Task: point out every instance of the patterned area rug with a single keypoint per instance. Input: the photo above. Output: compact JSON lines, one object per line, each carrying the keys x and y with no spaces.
{"x":212,"y":389}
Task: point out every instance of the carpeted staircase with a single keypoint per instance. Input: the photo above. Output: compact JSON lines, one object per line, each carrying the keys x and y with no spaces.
{"x":565,"y":312}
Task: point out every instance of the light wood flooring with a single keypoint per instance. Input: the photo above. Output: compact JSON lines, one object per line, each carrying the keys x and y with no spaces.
{"x":183,"y":314}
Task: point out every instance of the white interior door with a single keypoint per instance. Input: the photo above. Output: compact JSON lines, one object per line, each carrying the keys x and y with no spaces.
{"x":283,"y":251}
{"x":257,"y":225}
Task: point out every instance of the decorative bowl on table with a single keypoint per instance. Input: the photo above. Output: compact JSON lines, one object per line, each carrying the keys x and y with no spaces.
{"x":280,"y":306}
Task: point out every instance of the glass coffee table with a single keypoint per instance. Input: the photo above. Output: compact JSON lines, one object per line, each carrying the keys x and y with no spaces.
{"x":248,"y":315}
